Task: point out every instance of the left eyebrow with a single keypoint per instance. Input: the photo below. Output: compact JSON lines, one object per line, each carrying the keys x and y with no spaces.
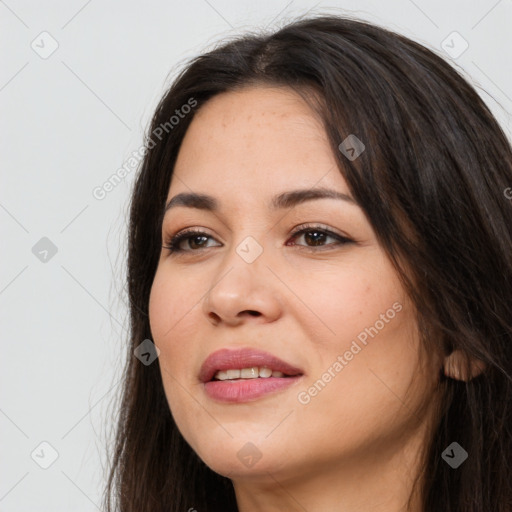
{"x":284,"y":200}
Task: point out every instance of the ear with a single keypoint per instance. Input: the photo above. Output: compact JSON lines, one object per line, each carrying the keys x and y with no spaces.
{"x":455,"y":366}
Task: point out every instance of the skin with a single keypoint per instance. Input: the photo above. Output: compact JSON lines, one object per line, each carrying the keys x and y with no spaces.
{"x":356,"y":444}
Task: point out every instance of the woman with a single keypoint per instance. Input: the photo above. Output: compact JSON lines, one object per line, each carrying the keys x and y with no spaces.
{"x":320,"y":249}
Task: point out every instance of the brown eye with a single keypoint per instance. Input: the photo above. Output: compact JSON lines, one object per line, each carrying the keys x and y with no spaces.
{"x":196,"y":240}
{"x":316,"y":237}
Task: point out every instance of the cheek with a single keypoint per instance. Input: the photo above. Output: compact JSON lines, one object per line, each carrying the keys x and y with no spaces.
{"x":170,"y":328}
{"x":376,"y":329}
{"x":169,"y":304}
{"x":349,"y":300}
{"x":371,"y":325}
{"x":161,"y":305}
{"x":168,"y":322}
{"x":174,"y":308}
{"x":376,"y":386}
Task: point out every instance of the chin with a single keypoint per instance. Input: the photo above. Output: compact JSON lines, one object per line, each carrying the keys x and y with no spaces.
{"x":245,"y":454}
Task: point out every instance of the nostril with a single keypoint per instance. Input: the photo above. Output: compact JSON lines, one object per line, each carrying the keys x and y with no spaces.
{"x":253,"y":313}
{"x":214,"y":317}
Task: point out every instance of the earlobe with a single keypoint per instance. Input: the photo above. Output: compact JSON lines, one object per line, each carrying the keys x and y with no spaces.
{"x":455,"y":366}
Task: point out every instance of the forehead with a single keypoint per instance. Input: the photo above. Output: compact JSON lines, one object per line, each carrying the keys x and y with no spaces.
{"x":258,"y":104}
{"x":256,"y":140}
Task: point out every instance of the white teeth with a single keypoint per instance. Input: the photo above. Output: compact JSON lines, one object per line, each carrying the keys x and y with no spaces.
{"x":265,"y":372}
{"x":233,"y":374}
{"x":247,"y":373}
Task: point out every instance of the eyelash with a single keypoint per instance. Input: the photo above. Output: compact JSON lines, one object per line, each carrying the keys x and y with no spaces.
{"x":172,"y":243}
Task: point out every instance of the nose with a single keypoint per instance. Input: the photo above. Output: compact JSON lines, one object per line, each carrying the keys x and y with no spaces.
{"x":243,"y":291}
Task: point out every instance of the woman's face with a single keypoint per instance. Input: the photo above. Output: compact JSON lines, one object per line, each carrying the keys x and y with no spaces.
{"x":332,"y":308}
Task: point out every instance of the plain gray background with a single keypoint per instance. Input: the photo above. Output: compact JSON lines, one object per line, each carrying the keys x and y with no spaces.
{"x":78,"y":84}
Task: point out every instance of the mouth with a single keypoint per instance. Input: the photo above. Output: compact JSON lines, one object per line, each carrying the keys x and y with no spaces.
{"x":245,"y":374}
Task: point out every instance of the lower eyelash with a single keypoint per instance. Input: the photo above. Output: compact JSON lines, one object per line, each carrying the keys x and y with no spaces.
{"x":172,"y":244}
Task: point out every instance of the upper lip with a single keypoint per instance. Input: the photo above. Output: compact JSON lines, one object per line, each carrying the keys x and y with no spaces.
{"x":226,"y":359}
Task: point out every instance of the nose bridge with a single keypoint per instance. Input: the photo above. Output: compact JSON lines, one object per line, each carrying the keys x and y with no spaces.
{"x":245,"y":260}
{"x":249,"y":236}
{"x":250,"y":243}
{"x":250,"y":249}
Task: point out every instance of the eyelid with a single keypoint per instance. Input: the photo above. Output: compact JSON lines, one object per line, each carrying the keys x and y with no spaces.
{"x":321,"y":227}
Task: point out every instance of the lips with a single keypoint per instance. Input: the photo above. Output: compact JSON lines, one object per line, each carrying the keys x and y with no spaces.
{"x":226,"y":359}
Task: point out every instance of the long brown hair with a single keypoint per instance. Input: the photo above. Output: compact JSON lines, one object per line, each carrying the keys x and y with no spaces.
{"x":432,"y":183}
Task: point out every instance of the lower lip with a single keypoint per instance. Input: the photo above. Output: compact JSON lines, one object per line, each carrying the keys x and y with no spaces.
{"x":245,"y":390}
